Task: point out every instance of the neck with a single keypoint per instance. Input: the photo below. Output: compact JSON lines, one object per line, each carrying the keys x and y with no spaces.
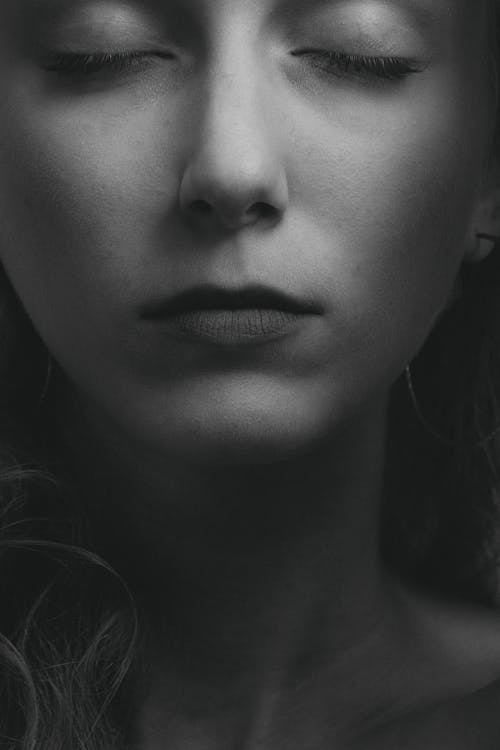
{"x":240,"y":569}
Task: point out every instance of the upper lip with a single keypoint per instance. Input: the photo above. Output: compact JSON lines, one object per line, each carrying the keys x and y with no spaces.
{"x":213,"y":297}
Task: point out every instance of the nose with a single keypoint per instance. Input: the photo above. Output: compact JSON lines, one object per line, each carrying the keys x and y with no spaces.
{"x":235,"y":176}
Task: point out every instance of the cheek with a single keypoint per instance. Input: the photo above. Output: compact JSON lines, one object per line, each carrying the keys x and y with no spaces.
{"x":391,"y":191}
{"x":81,"y":198}
{"x":80,"y":169}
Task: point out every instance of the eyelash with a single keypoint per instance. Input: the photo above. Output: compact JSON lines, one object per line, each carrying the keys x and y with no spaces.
{"x":83,"y":63}
{"x":392,"y":68}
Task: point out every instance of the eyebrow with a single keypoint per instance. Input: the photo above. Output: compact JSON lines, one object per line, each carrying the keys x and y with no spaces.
{"x":427,"y":6}
{"x":428,"y":15}
{"x":426,"y":12}
{"x":426,"y":9}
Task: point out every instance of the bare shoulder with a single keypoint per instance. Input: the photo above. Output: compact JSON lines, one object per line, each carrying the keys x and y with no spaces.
{"x":462,"y":639}
{"x":458,"y":648}
{"x":455,"y":679}
{"x":469,"y":722}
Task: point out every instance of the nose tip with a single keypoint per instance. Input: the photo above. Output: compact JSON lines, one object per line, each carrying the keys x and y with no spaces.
{"x":234,"y":180}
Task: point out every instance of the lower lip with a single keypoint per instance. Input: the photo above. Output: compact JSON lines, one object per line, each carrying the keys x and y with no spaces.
{"x":232,"y":327}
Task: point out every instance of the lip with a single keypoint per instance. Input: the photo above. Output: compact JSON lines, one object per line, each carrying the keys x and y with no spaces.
{"x":230,"y":317}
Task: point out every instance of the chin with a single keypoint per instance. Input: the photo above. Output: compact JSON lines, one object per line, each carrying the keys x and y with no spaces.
{"x":234,"y":426}
{"x":232,"y":443}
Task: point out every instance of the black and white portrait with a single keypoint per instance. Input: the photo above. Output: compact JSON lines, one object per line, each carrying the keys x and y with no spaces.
{"x":249,"y":375}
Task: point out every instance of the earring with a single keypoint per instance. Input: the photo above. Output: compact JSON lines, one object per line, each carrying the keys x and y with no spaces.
{"x":418,"y":411}
{"x":456,"y":293}
{"x":482,"y":443}
{"x":484,"y":244}
{"x":48,"y":377}
{"x":485,"y":236}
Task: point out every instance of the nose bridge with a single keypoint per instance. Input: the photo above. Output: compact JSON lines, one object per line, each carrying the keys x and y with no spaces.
{"x":235,"y":97}
{"x":235,"y":164}
{"x":237,"y":137}
{"x":235,"y":117}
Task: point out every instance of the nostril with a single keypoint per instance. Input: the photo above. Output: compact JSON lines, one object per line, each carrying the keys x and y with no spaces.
{"x":201,"y":208}
{"x":263,"y":210}
{"x":259,"y":210}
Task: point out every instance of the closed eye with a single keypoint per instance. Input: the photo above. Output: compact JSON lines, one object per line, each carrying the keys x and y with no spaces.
{"x":389,"y":67}
{"x":88,"y":63}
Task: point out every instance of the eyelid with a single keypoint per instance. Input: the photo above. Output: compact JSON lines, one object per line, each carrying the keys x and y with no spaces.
{"x":351,"y":53}
{"x":383,"y":66}
{"x":66,"y":60}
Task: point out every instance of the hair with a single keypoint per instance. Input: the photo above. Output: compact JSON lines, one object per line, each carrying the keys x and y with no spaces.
{"x":69,"y":626}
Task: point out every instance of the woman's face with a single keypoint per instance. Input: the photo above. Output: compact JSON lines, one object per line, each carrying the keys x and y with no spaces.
{"x":330,"y":150}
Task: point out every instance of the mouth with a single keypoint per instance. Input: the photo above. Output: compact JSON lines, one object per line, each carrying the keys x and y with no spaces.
{"x":230,"y":317}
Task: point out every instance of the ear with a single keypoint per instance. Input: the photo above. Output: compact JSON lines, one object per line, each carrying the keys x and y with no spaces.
{"x":485,"y":226}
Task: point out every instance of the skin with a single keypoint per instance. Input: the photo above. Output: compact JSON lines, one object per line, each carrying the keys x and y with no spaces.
{"x":247,"y":484}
